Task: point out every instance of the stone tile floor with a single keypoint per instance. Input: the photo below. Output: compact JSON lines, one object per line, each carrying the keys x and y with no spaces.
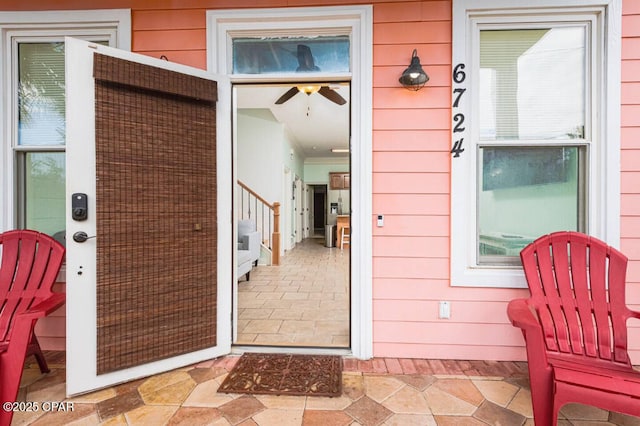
{"x":387,"y":392}
{"x":302,"y":302}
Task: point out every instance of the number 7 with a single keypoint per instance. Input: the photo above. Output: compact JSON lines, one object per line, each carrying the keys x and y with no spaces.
{"x":459,"y":92}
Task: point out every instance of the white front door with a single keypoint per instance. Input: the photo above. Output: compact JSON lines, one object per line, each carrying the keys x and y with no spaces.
{"x":149,"y":149}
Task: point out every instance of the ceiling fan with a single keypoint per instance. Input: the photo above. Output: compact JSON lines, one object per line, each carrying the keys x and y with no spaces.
{"x":306,"y":63}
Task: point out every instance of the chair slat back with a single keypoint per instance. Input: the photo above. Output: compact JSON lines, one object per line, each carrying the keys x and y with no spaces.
{"x":29,"y":265}
{"x":577,"y":286}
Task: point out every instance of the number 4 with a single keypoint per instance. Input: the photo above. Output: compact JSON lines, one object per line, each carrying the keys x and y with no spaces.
{"x":457,"y":148}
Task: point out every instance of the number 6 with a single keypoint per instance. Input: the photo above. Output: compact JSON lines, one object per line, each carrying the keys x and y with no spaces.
{"x":458,"y":74}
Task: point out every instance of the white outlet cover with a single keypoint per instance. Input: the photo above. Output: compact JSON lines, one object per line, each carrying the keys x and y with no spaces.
{"x":445,"y":310}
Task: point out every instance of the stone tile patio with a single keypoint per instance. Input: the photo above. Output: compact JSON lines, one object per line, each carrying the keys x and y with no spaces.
{"x":401,"y":392}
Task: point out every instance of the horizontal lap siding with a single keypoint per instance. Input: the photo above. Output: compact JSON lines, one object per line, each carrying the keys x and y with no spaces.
{"x":178,"y":35}
{"x":411,"y":187}
{"x":630,"y":162}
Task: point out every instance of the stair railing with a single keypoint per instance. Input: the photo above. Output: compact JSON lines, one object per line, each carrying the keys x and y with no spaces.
{"x":267,"y":218}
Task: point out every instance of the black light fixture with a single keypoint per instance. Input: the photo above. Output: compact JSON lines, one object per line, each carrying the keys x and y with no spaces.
{"x":414,"y":77}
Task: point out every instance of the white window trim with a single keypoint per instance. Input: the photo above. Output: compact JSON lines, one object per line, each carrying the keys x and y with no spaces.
{"x":603,"y":168}
{"x":112,"y":23}
{"x":358,"y":22}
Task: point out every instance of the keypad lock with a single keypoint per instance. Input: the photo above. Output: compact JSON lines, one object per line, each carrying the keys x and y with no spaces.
{"x":79,"y":207}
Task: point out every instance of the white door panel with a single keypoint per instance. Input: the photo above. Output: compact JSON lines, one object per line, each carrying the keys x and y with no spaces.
{"x":82,"y":306}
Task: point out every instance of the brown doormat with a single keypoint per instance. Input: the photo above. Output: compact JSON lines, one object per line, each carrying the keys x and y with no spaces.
{"x":275,"y":374}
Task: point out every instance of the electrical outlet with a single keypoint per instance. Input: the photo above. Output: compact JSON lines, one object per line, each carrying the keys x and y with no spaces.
{"x":445,"y":310}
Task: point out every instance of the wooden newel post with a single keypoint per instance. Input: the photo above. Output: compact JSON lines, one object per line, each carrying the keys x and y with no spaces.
{"x":275,"y":237}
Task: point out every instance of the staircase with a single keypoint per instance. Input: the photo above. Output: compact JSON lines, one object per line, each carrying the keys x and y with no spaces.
{"x":267,"y":218}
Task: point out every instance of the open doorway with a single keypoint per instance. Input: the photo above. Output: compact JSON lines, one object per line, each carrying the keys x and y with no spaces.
{"x":286,"y":152}
{"x":318,"y":210}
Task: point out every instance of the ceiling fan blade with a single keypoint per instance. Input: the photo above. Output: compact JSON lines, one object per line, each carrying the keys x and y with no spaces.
{"x":332,"y":95}
{"x":288,"y":95}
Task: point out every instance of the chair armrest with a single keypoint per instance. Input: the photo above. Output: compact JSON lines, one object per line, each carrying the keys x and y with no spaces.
{"x":522,"y":315}
{"x":24,"y":322}
{"x":45,"y":307}
{"x":634,"y":314}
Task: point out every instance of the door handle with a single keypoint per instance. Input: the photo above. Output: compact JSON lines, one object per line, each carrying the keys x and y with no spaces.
{"x":81,"y":237}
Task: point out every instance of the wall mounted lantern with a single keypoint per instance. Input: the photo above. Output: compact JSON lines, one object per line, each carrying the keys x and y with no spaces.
{"x":414,"y":77}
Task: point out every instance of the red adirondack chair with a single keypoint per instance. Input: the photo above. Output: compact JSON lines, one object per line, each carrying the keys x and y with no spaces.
{"x":29,"y":265}
{"x":574,"y":325}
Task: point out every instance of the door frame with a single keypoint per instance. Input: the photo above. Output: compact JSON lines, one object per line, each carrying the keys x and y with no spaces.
{"x":286,"y":213}
{"x":81,"y":257}
{"x":298,"y":208}
{"x":357,"y":22}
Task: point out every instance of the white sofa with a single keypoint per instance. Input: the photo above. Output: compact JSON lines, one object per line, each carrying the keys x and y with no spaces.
{"x":248,"y":247}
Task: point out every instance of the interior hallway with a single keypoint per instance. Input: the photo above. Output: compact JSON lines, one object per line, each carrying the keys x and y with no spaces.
{"x":302,"y":302}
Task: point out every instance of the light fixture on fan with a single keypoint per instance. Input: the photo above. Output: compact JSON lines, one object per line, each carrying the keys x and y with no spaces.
{"x":309,"y":89}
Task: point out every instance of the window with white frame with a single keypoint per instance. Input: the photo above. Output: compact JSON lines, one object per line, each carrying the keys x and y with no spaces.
{"x":33,"y":125}
{"x":534,"y":141}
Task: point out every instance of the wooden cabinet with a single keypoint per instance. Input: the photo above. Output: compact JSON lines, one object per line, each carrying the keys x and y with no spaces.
{"x":339,"y":181}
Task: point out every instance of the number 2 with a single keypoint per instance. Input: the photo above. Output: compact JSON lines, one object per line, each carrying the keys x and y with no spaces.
{"x":459,"y":120}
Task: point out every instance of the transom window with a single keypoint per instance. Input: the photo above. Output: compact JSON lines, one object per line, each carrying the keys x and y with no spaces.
{"x":291,"y":54}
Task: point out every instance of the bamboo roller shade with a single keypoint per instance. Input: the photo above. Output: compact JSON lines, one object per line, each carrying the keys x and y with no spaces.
{"x":156,"y":213}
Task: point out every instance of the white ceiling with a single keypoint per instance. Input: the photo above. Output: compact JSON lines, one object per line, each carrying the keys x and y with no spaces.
{"x":316,"y":123}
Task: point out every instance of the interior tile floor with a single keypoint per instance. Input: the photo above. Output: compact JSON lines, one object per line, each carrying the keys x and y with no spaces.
{"x":387,"y":392}
{"x":304,"y":301}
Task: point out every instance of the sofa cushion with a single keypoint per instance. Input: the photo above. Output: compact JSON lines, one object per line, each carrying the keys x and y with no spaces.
{"x":245,"y":227}
{"x":244,"y":256}
{"x":243,"y":242}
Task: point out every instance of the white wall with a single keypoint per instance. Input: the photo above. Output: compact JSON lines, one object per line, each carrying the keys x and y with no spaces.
{"x":317,"y":170}
{"x":291,"y":157}
{"x":260,"y":140}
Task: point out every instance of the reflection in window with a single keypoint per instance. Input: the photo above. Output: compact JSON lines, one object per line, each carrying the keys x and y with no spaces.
{"x":44,"y":191}
{"x":532,"y":84}
{"x":525,"y":192}
{"x":41,"y":103}
{"x":291,"y":54}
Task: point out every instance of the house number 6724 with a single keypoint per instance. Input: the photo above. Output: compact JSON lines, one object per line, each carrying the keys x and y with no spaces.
{"x":459,"y":76}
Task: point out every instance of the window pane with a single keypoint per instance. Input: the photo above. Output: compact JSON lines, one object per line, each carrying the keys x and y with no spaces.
{"x":291,"y":54}
{"x":525,"y":192}
{"x":45,"y":191}
{"x":41,"y":94}
{"x":532,"y":84}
